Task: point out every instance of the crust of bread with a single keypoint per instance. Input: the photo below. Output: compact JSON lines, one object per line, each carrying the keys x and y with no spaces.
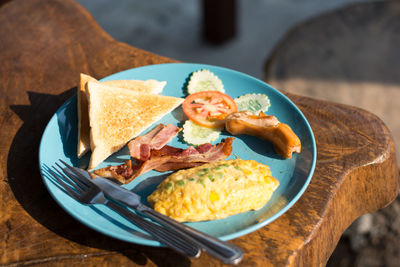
{"x":148,"y":86}
{"x":83,"y":117}
{"x":117,"y":115}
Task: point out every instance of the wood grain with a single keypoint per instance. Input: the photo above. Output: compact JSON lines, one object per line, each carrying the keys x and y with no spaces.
{"x":45,"y":44}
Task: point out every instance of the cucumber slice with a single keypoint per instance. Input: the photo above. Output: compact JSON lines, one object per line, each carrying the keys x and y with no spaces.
{"x":253,"y":103}
{"x":197,"y":135}
{"x":204,"y":80}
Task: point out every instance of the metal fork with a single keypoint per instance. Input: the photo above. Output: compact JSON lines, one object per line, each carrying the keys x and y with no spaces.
{"x":89,"y":194}
{"x":224,"y":251}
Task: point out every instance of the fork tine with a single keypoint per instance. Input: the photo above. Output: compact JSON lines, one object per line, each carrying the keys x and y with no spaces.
{"x":50,"y":176}
{"x":73,"y":176}
{"x":64,"y":185}
{"x":70,"y":181}
{"x":81,"y":177}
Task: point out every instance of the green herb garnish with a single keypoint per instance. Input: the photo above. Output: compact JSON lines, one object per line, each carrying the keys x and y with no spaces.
{"x":168,"y":185}
{"x":220,"y":175}
{"x":201,"y":181}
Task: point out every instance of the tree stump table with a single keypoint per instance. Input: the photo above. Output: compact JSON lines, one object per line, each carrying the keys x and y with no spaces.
{"x":46,"y":44}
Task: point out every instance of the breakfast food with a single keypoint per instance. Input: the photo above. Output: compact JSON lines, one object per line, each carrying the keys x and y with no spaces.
{"x":197,"y":135}
{"x":209,"y":108}
{"x":117,"y":115}
{"x":255,"y":103}
{"x":170,"y":158}
{"x":140,"y":147}
{"x":200,"y":81}
{"x":148,"y":86}
{"x":283,"y":138}
{"x":214,"y":190}
{"x":165,"y":159}
{"x":204,"y":80}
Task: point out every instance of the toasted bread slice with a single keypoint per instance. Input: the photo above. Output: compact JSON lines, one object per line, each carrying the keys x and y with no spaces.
{"x":148,"y":86}
{"x":117,"y":115}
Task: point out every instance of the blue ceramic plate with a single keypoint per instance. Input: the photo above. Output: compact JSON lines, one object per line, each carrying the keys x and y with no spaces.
{"x":60,"y":138}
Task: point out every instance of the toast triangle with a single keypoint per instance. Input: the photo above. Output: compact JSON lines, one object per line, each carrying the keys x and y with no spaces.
{"x":117,"y":115}
{"x":147,"y":86}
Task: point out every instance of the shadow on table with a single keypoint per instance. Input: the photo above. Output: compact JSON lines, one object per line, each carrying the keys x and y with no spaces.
{"x":26,"y":183}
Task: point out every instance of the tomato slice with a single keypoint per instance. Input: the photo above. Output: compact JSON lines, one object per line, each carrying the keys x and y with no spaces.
{"x":209,"y":108}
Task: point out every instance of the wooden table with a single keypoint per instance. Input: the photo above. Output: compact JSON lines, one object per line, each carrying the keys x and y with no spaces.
{"x":45,"y":44}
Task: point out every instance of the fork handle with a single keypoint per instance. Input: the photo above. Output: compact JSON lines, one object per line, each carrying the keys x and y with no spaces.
{"x":183,"y":245}
{"x":224,"y":251}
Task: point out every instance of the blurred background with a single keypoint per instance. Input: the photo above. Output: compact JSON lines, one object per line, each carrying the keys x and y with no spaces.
{"x":344,"y":51}
{"x":173,"y":28}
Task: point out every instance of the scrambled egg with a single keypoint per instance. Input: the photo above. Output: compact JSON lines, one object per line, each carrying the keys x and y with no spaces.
{"x":214,"y":190}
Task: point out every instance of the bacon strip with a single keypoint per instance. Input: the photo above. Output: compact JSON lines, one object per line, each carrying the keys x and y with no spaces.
{"x":140,"y":147}
{"x":162,"y":161}
{"x":168,"y":159}
{"x":118,"y":172}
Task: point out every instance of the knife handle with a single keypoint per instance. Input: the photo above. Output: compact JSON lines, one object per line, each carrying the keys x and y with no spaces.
{"x":224,"y":251}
